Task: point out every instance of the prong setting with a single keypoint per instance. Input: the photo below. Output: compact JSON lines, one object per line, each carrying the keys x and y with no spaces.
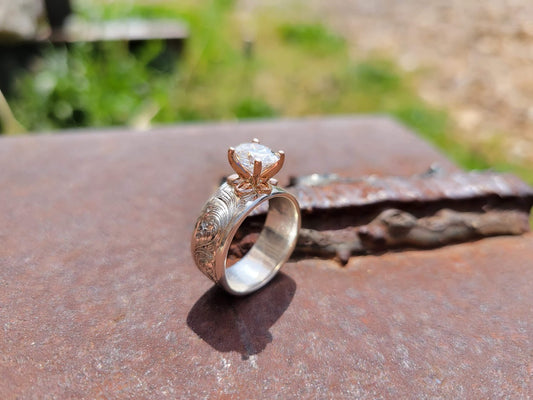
{"x":255,"y":165}
{"x":232,"y":179}
{"x":236,"y":166}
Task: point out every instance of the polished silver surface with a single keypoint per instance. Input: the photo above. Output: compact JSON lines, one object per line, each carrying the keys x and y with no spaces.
{"x":220,"y":219}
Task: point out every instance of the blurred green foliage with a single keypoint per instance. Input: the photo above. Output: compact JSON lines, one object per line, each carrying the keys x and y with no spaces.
{"x":375,"y":76}
{"x":88,"y":86}
{"x":315,"y":38}
{"x":290,"y":68}
{"x":253,"y":108}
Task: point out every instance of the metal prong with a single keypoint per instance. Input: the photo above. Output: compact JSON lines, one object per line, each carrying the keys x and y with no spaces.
{"x":258,"y":166}
{"x":255,"y":140}
{"x":276,"y":167}
{"x":236,"y":167}
{"x":232,"y":179}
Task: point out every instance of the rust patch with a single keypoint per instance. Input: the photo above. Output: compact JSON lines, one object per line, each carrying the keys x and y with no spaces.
{"x":96,"y":227}
{"x":343,"y":217}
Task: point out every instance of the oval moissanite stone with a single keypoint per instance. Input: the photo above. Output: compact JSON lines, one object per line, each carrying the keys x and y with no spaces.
{"x":246,"y":153}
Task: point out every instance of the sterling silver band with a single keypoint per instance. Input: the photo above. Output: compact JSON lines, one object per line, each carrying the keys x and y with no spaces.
{"x":219,"y":221}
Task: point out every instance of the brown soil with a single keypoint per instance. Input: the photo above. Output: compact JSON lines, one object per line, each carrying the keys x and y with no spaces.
{"x":476,"y":59}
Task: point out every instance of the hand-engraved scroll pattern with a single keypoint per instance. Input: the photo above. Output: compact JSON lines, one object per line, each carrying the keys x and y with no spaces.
{"x":215,"y":217}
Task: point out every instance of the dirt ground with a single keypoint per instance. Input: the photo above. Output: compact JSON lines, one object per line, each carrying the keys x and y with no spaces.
{"x":475,"y":58}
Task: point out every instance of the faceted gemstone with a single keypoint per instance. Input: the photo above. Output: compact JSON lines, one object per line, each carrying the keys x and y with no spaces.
{"x":246,"y":153}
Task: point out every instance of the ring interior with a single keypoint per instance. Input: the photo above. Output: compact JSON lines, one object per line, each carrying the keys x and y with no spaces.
{"x":272,"y":249}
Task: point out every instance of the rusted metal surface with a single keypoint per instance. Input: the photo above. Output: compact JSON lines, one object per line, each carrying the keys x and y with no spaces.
{"x":396,"y":229}
{"x":348,"y":216}
{"x":99,"y":297}
{"x":434,"y":187}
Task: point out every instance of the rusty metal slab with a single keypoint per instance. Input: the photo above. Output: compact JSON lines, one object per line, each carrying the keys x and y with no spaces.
{"x":99,"y":297}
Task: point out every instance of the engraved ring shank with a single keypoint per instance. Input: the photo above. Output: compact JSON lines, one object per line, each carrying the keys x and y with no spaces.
{"x":219,"y":221}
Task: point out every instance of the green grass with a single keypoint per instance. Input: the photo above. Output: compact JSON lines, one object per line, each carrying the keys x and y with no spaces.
{"x":294,"y":67}
{"x":88,"y":87}
{"x":315,"y":38}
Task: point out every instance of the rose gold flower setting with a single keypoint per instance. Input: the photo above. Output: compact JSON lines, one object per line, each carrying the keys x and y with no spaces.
{"x":255,"y":165}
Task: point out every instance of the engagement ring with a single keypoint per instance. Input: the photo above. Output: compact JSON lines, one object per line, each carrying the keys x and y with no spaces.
{"x":252,"y":185}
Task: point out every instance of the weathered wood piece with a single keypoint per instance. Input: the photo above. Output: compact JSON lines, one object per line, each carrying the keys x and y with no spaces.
{"x":21,"y":40}
{"x":20,"y":20}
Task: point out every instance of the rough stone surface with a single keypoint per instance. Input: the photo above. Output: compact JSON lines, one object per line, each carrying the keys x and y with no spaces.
{"x":100,"y":298}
